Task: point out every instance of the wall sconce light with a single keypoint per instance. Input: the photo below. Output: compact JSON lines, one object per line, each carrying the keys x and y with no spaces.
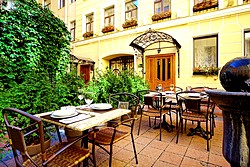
{"x":159,"y":50}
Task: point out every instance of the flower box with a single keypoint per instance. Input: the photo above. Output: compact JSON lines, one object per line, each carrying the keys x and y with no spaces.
{"x":129,"y":23}
{"x":88,"y":34}
{"x":160,"y":16}
{"x":205,"y":5}
{"x":108,"y":28}
{"x":206,"y":70}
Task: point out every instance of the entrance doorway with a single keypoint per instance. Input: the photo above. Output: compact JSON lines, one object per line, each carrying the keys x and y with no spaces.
{"x":160,"y":70}
{"x":85,"y":72}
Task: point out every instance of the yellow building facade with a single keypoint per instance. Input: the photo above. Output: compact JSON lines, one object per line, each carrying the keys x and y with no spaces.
{"x":210,"y":34}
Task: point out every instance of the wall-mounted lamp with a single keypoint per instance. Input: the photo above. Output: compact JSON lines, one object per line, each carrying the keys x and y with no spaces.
{"x":159,"y":50}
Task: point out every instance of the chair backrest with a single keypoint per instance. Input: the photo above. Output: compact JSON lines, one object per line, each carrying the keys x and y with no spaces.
{"x":17,"y":133}
{"x":200,"y":89}
{"x":150,"y":98}
{"x":187,"y":103}
{"x":124,"y":100}
{"x":176,"y":89}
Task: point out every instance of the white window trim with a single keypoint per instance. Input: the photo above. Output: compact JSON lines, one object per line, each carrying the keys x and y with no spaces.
{"x":123,"y":12}
{"x":84,"y":20}
{"x":102,"y":9}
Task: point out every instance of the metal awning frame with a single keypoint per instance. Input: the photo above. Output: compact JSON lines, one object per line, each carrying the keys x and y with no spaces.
{"x":150,"y":37}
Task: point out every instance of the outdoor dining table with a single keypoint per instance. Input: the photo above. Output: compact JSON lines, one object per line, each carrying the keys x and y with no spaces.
{"x":96,"y":118}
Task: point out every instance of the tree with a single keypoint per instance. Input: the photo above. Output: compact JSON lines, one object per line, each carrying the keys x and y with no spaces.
{"x":31,"y":39}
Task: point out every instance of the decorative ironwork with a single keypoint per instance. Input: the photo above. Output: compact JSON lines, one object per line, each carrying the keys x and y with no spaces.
{"x":151,"y":37}
{"x":122,"y":63}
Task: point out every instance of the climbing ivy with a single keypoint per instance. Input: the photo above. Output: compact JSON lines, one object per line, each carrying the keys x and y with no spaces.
{"x":31,"y":38}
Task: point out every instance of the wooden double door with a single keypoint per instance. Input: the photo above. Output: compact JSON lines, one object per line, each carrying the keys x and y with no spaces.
{"x":160,"y":69}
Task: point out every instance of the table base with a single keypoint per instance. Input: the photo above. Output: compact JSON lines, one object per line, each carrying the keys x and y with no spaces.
{"x":197,"y":130}
{"x":165,"y":126}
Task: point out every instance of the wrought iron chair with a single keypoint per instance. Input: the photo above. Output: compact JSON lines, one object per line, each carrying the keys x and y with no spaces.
{"x":190,"y":109}
{"x":200,"y":88}
{"x":113,"y":134}
{"x":204,"y":103}
{"x":61,"y":154}
{"x":175,"y":108}
{"x":151,"y":105}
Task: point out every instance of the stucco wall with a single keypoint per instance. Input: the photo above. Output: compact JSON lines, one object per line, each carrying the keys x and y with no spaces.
{"x":228,"y":22}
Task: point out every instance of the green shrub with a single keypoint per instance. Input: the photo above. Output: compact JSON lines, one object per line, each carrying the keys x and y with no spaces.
{"x":31,"y":38}
{"x":107,"y":82}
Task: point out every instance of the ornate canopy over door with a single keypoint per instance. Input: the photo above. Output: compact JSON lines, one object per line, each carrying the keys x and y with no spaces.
{"x":86,"y":66}
{"x":150,"y":37}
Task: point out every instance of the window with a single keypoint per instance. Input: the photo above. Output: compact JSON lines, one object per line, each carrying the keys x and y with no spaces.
{"x":72,"y":30}
{"x":61,"y":3}
{"x":89,"y":22}
{"x":161,"y":6}
{"x":72,"y":1}
{"x":109,"y":16}
{"x":122,"y":63}
{"x":247,"y":43}
{"x":206,"y":51}
{"x":131,"y":10}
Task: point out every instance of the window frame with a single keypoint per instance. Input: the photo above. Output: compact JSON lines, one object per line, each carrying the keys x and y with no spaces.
{"x":245,"y":49}
{"x":122,"y":63}
{"x":73,"y":29}
{"x":61,"y":4}
{"x":216,"y":50}
{"x":109,"y":17}
{"x":130,"y":12}
{"x":90,"y":23}
{"x":161,"y":6}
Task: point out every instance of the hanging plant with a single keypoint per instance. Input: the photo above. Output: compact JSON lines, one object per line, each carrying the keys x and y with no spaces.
{"x":160,"y":16}
{"x":205,"y":70}
{"x":108,"y":28}
{"x":129,"y":23}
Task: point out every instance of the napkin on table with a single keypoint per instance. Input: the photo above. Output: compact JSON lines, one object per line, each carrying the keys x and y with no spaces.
{"x":75,"y":119}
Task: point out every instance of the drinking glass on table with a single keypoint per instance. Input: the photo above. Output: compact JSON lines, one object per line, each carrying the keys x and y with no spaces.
{"x":88,"y":97}
{"x":171,"y":87}
{"x":80,"y":95}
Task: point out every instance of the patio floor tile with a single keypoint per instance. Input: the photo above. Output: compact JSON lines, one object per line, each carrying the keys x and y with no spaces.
{"x":151,"y":152}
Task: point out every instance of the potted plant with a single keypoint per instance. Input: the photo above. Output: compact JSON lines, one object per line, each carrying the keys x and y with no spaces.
{"x":162,"y":15}
{"x":205,"y":5}
{"x":108,"y":28}
{"x":129,"y":23}
{"x":205,"y":70}
{"x":88,"y":34}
